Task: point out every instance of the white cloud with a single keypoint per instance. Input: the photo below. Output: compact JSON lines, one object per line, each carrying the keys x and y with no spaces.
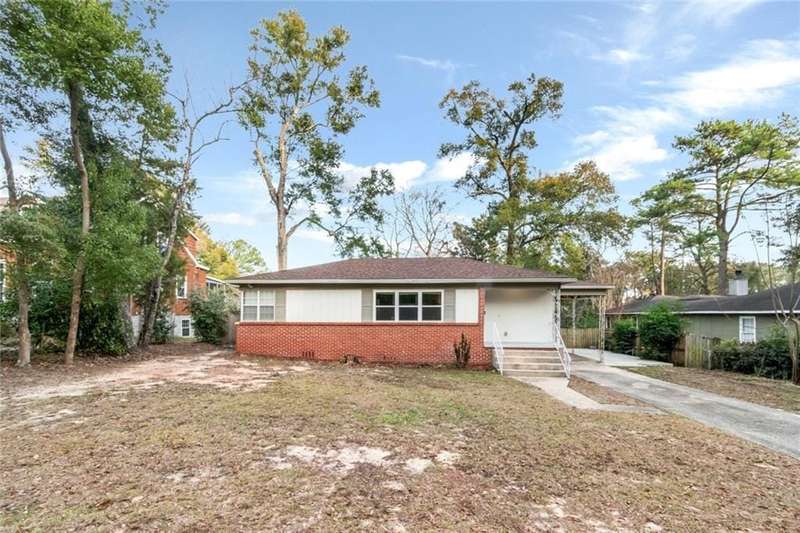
{"x":680,"y":47}
{"x":445,"y":169}
{"x":757,"y":76}
{"x":439,"y":64}
{"x":621,"y":157}
{"x":232,"y":218}
{"x":716,"y":12}
{"x":761,"y":74}
{"x":620,"y":56}
{"x":404,"y":172}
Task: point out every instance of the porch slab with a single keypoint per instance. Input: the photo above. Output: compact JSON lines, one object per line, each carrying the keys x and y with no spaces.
{"x":615,"y":359}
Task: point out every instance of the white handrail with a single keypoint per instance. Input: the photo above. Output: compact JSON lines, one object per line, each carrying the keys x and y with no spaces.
{"x":563,"y":353}
{"x":498,"y":353}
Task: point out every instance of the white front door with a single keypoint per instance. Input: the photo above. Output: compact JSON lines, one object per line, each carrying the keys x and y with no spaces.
{"x":524,"y":316}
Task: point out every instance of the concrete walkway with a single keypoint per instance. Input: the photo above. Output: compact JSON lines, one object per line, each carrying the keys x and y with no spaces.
{"x":773,"y":428}
{"x":559,"y":389}
{"x":615,"y":359}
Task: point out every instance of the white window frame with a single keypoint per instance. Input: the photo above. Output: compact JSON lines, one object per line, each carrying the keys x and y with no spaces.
{"x":397,"y":305}
{"x":258,"y":305}
{"x":185,"y":288}
{"x":188,"y":327}
{"x":741,"y":329}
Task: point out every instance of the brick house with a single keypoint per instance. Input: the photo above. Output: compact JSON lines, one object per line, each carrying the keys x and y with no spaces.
{"x":195,"y":279}
{"x":406,"y":311}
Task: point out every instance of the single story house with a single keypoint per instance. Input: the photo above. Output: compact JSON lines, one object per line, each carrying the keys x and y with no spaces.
{"x":402,"y":310}
{"x":737,"y":315}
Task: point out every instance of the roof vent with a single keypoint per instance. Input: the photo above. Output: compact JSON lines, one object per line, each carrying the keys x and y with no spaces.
{"x":738,"y":285}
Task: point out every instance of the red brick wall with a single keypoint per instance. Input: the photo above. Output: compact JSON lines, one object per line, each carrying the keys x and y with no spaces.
{"x":372,"y":342}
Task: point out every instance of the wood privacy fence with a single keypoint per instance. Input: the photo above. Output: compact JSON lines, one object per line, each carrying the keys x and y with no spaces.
{"x":581,"y":337}
{"x":693,"y":351}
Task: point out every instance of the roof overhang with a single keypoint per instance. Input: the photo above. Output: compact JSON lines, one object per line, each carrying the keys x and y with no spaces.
{"x":526,"y":281}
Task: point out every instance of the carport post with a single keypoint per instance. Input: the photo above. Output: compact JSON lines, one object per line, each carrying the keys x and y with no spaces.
{"x":602,"y":326}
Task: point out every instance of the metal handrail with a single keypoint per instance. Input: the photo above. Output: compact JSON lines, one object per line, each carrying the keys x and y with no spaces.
{"x":563,"y":353}
{"x":499,"y":351}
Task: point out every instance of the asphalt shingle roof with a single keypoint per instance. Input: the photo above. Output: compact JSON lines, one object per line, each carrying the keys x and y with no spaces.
{"x":415,"y":268}
{"x":763,"y":302}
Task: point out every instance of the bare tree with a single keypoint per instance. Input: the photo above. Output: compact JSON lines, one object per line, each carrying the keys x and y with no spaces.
{"x":417,"y":225}
{"x":785,"y":298}
{"x":194,"y":143}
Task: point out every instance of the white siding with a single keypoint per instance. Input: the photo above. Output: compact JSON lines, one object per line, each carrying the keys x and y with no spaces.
{"x":467,"y":305}
{"x":524,"y":317}
{"x":332,"y":305}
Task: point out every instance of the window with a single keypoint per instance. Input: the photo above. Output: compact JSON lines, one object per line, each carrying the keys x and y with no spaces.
{"x":408,"y":306}
{"x":186,"y":328}
{"x":180,"y":287}
{"x":384,"y":306}
{"x":747,"y":329}
{"x":258,"y":305}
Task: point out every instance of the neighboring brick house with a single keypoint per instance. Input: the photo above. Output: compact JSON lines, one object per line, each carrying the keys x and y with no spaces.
{"x":400,"y":311}
{"x":195,"y":279}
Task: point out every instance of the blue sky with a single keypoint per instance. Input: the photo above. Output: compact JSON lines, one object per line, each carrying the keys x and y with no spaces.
{"x":635,"y":75}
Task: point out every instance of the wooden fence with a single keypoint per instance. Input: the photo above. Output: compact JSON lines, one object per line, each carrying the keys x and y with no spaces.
{"x":693,"y":351}
{"x":581,"y":337}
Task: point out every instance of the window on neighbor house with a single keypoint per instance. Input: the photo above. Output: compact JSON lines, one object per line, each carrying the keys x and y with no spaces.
{"x":747,"y":329}
{"x":186,"y":327}
{"x":258,"y":305}
{"x":180,"y":287}
{"x":408,"y":306}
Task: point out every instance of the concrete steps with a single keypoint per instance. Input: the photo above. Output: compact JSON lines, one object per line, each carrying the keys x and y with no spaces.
{"x":530,"y":363}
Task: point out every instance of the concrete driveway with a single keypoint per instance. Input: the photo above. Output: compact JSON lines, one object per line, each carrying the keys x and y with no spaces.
{"x":773,"y":428}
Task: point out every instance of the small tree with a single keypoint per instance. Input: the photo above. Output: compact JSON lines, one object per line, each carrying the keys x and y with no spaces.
{"x":461,"y":350}
{"x":623,"y":335}
{"x":209,"y":315}
{"x":660,"y":328}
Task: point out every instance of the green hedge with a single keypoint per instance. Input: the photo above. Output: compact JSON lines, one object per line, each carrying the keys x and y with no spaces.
{"x":767,"y":358}
{"x":660,"y":329}
{"x":622,"y":338}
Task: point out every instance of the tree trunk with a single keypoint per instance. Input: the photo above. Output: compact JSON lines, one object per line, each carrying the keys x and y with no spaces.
{"x":510,"y":248}
{"x":662,"y":265}
{"x":794,"y":344}
{"x":154,"y":294}
{"x":75,"y":103}
{"x":282,"y":244}
{"x":20,"y":264}
{"x":722,"y":262}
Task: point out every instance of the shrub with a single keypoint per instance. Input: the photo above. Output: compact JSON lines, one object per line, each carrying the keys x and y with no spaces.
{"x":209,"y":315}
{"x":461,"y":349}
{"x":161,"y":327}
{"x":659,"y":331}
{"x":623,"y":336}
{"x":767,"y":358}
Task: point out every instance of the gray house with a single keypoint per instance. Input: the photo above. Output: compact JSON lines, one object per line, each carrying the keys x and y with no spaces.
{"x":738,"y":315}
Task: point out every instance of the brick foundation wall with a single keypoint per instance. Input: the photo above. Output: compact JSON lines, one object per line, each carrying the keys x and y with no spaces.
{"x":371,"y":342}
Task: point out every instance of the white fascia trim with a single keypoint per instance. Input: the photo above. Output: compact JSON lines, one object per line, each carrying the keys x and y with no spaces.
{"x":548,"y":281}
{"x":197,"y":263}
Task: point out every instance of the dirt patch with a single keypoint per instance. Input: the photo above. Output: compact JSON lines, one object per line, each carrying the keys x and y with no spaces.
{"x":768,"y":392}
{"x":603,"y":395}
{"x":217,"y":368}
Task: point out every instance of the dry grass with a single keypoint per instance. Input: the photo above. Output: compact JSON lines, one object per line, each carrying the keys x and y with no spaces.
{"x":339,"y":448}
{"x":763,"y":391}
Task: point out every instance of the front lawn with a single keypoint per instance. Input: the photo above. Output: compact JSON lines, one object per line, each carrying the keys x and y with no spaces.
{"x":237,"y":443}
{"x":763,"y":391}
